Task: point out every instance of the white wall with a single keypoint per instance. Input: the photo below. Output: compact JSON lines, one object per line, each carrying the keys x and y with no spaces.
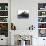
{"x":23,"y":24}
{"x":16,"y":5}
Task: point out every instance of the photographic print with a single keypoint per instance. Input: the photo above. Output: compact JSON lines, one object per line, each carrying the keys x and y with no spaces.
{"x":23,"y":14}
